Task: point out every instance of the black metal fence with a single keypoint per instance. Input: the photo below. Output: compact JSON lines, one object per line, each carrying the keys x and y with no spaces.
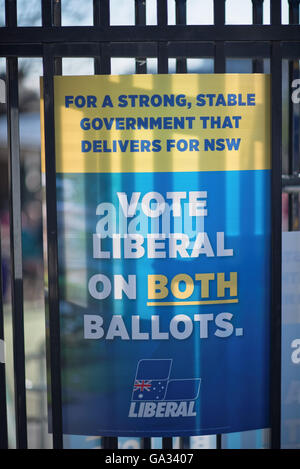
{"x":102,"y":42}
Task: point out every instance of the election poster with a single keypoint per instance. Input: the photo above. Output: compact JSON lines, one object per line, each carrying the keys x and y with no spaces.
{"x":163,"y":206}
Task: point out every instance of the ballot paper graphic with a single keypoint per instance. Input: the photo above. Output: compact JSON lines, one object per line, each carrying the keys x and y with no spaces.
{"x":153,"y":382}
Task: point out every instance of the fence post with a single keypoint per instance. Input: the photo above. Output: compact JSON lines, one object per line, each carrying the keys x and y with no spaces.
{"x":275,"y":316}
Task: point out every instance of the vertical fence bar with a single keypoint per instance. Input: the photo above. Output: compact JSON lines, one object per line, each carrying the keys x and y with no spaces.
{"x":163,"y":67}
{"x":219,"y":67}
{"x":167,"y":443}
{"x":275,"y":315}
{"x":293,"y":128}
{"x":140,"y":20}
{"x":184,"y":442}
{"x":105,"y":59}
{"x":102,"y":66}
{"x":219,"y":20}
{"x":181,"y":63}
{"x":51,"y":214}
{"x":109,"y":442}
{"x":11,"y":13}
{"x":16,"y":236}
{"x":101,"y":15}
{"x":3,"y":411}
{"x":162,"y":58}
{"x":145,"y":443}
{"x":275,"y":12}
{"x":219,"y":441}
{"x":51,"y":16}
{"x":162,"y":21}
{"x":141,"y":67}
{"x":105,"y":21}
{"x":219,"y":12}
{"x":47,"y":13}
{"x":104,"y":13}
{"x":96,"y":22}
{"x":56,"y":11}
{"x":181,"y":67}
{"x":162,"y":12}
{"x":257,"y":11}
{"x":101,"y":12}
{"x":257,"y":18}
{"x":16,"y":252}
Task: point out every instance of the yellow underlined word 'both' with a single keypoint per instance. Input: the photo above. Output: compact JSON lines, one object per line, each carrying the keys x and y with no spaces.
{"x":192,"y":303}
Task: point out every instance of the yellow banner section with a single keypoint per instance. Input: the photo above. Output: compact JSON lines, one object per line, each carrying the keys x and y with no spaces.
{"x":161,"y":123}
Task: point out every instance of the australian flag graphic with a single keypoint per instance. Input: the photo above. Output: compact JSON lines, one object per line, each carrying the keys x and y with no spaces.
{"x":152,"y":383}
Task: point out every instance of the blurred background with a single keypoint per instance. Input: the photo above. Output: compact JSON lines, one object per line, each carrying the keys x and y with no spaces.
{"x":76,"y":12}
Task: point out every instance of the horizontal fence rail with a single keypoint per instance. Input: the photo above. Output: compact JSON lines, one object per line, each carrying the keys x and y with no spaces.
{"x":51,"y":42}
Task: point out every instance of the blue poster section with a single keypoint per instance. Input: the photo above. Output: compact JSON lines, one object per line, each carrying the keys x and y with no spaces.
{"x":153,"y":376}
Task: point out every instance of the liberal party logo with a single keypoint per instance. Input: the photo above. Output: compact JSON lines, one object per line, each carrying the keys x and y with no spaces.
{"x":156,"y":394}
